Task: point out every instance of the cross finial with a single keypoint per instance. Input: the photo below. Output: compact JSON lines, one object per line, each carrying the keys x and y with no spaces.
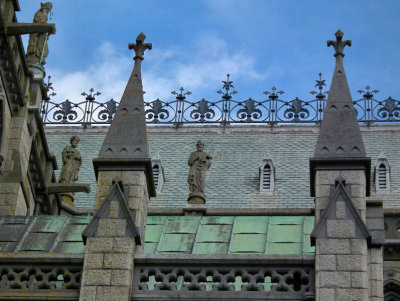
{"x":339,"y":44}
{"x":140,"y":47}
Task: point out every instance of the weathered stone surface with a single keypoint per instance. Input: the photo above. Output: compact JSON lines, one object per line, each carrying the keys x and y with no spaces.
{"x":341,"y":228}
{"x":326,"y":177}
{"x":376,"y":271}
{"x":326,"y":263}
{"x":333,"y":246}
{"x":352,"y":263}
{"x":118,"y":261}
{"x":111,"y":228}
{"x":352,"y":294}
{"x":99,"y":244}
{"x":358,"y":191}
{"x":133,"y":178}
{"x":354,"y":177}
{"x":114,"y":210}
{"x":121,"y":277}
{"x":376,"y":255}
{"x":376,"y":288}
{"x":340,"y":210}
{"x":112,"y":293}
{"x":326,"y":294}
{"x":359,"y":279}
{"x":96,"y":277}
{"x":334,"y":279}
{"x":358,"y":246}
{"x":87,"y":293}
{"x":322,"y":190}
{"x":94,"y":261}
{"x":136,"y":191}
{"x":105,"y":178}
{"x":124,"y":245}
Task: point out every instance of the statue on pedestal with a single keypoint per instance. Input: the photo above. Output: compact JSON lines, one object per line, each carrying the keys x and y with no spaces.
{"x":199,"y":161}
{"x":72,"y":162}
{"x":37,"y":50}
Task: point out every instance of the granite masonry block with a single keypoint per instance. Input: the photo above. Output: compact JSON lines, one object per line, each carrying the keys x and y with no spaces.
{"x":334,"y":279}
{"x":326,"y":294}
{"x":121,"y":277}
{"x":111,"y":228}
{"x":325,"y":263}
{"x":358,"y":246}
{"x":99,"y":244}
{"x":118,"y":261}
{"x":352,"y":263}
{"x":332,"y":246}
{"x":112,"y":293}
{"x":94,"y":261}
{"x":359,"y":279}
{"x":96,"y":277}
{"x":114,"y":210}
{"x":352,"y":294}
{"x":87,"y":293}
{"x":341,"y":228}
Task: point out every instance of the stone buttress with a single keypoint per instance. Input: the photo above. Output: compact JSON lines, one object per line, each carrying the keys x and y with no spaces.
{"x":348,"y":259}
{"x":124,"y":184}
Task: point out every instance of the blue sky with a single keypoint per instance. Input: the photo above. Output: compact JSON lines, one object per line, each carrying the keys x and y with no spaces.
{"x":195,"y":43}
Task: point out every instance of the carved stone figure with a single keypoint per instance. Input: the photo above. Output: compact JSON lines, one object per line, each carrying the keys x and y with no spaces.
{"x":39,"y":40}
{"x":72,"y":161}
{"x":199,"y":161}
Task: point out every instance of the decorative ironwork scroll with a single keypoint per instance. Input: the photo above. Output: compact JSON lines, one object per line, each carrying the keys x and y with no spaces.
{"x":270,"y":110}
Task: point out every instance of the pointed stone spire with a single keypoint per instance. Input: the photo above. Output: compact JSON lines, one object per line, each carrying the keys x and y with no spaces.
{"x":339,"y":144}
{"x":127,"y":136}
{"x":339,"y":136}
{"x":125,"y":146}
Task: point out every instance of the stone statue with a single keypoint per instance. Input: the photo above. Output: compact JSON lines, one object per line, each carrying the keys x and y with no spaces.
{"x":39,"y":40}
{"x":72,"y":161}
{"x":199,"y":161}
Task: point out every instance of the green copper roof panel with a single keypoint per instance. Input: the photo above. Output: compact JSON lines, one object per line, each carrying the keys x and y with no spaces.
{"x":54,"y":234}
{"x":248,"y":243}
{"x":168,"y":234}
{"x":214,"y":233}
{"x":229,"y":235}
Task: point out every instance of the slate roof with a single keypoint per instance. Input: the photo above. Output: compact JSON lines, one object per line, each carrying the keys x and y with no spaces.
{"x":167,"y":234}
{"x":233,"y":180}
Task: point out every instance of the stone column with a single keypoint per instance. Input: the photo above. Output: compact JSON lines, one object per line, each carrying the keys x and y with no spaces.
{"x":342,"y":254}
{"x":109,"y":257}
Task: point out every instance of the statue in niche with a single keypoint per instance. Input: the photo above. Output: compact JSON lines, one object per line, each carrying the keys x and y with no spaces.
{"x":72,"y":161}
{"x":39,"y":40}
{"x":199,"y":161}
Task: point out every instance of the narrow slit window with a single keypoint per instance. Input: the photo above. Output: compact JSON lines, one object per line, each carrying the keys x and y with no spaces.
{"x":267,"y":175}
{"x":266,"y":185}
{"x":382,"y":177}
{"x":156,"y":175}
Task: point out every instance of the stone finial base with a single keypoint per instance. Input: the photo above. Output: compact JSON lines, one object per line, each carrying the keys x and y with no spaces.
{"x":37,"y":70}
{"x":196,"y":198}
{"x":195,"y":210}
{"x":68,"y":198}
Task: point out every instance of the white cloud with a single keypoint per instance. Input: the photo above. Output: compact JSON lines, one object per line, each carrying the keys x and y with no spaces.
{"x":196,"y":69}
